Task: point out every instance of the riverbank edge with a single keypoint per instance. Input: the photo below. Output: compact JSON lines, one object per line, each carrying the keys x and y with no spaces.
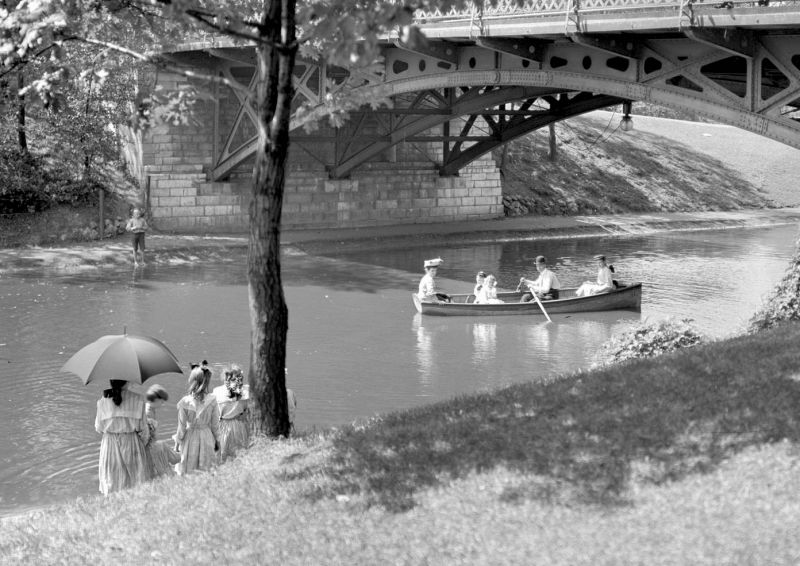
{"x":702,"y":489}
{"x":166,"y":248}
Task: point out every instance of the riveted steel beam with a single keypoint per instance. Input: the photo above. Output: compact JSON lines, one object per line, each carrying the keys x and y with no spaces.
{"x":735,"y":41}
{"x":473,"y":101}
{"x":527,"y":48}
{"x":621,"y":45}
{"x":443,"y":51}
{"x":516,"y":128}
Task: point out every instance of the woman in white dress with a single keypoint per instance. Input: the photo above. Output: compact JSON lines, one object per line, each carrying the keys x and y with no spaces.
{"x":197,"y":437}
{"x":428,"y":293}
{"x":604,"y":283}
{"x":122,"y":422}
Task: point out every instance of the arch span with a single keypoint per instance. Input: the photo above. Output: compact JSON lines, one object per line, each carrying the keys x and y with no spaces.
{"x":584,"y":93}
{"x":467,"y":97}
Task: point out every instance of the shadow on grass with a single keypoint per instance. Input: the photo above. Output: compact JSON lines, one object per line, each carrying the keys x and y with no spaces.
{"x":583,"y":438}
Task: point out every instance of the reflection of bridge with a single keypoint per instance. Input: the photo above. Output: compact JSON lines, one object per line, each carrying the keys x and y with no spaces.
{"x":486,"y":78}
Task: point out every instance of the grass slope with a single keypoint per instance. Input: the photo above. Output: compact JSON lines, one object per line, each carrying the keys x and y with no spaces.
{"x":662,"y":165}
{"x":690,"y":458}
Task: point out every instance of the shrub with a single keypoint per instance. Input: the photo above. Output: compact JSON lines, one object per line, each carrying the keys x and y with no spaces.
{"x":784,"y":303}
{"x":32,"y":183}
{"x":25,"y":184}
{"x":76,"y":193}
{"x":649,"y":339}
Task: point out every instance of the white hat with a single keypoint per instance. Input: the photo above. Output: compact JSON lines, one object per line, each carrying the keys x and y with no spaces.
{"x":433,"y":262}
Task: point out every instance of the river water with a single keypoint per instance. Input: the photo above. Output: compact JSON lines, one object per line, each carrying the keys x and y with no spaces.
{"x":356,"y":345}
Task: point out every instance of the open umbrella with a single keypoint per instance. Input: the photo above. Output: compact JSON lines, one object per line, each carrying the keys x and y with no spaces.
{"x":128,"y":357}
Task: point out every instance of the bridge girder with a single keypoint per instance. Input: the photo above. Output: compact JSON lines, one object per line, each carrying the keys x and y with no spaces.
{"x":493,"y":90}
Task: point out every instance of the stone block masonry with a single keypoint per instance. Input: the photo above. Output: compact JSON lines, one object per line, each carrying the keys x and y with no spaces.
{"x":385,"y":194}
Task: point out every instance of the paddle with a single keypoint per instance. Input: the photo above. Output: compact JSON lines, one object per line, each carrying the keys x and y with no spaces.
{"x":538,"y":302}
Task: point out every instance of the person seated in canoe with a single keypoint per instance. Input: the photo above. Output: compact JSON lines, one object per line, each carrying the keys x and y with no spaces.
{"x":545,"y":286}
{"x":604,"y":283}
{"x":427,"y":285}
{"x":488,"y":293}
{"x":479,"y":281}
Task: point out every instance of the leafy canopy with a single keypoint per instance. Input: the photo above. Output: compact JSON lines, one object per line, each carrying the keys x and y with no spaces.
{"x":340,"y":32}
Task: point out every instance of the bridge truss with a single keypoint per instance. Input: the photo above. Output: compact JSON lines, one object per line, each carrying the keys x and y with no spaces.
{"x":475,"y":86}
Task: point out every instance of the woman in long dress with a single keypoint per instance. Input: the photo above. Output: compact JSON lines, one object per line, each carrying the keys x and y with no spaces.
{"x":161,"y":458}
{"x":428,"y":291}
{"x":233,"y":399}
{"x":197,"y":437}
{"x":605,"y":280}
{"x":121,"y":420}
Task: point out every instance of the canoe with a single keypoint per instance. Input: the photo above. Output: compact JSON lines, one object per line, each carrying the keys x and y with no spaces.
{"x":627,"y":297}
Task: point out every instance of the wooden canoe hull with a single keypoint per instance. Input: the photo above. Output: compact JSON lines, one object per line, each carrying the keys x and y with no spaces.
{"x":623,"y":298}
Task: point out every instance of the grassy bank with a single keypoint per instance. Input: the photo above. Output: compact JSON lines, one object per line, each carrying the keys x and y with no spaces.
{"x":690,"y":458}
{"x":661,"y":166}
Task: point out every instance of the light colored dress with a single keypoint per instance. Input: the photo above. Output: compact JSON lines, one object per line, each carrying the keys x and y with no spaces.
{"x":234,"y":430}
{"x":487,"y":296}
{"x":198,"y":431}
{"x":427,"y":288}
{"x":605,"y":282}
{"x":122,"y":450}
{"x":161,"y":458}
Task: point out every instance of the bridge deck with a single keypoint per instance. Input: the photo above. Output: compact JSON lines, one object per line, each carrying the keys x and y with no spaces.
{"x":550,"y":19}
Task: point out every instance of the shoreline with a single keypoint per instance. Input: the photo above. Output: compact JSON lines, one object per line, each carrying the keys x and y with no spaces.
{"x":524,"y":228}
{"x":174,"y":249}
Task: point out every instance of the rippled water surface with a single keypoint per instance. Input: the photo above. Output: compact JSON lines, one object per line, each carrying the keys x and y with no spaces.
{"x":356,"y":345}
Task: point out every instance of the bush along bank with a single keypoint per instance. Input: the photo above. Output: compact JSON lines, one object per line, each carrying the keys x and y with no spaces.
{"x":784,"y":302}
{"x":43,"y":202}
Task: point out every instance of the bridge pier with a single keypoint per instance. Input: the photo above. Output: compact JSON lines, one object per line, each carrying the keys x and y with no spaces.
{"x":402,"y":193}
{"x":396,"y":187}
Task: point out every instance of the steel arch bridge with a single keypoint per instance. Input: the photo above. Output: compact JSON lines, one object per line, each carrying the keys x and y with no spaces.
{"x":484,"y":79}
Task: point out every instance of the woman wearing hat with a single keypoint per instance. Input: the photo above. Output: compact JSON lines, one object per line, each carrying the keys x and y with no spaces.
{"x":427,"y":285}
{"x":605,"y":280}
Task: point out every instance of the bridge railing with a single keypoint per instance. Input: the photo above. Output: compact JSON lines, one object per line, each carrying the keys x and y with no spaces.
{"x":505,"y":8}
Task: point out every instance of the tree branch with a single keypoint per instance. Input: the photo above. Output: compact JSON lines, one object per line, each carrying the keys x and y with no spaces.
{"x":25,"y":60}
{"x":208,"y":19}
{"x":164,"y":63}
{"x":205,"y":19}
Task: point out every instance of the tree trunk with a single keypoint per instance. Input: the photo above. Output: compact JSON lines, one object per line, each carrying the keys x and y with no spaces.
{"x":269,"y":315}
{"x":21,"y":135}
{"x":552,"y":129}
{"x":87,"y":158}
